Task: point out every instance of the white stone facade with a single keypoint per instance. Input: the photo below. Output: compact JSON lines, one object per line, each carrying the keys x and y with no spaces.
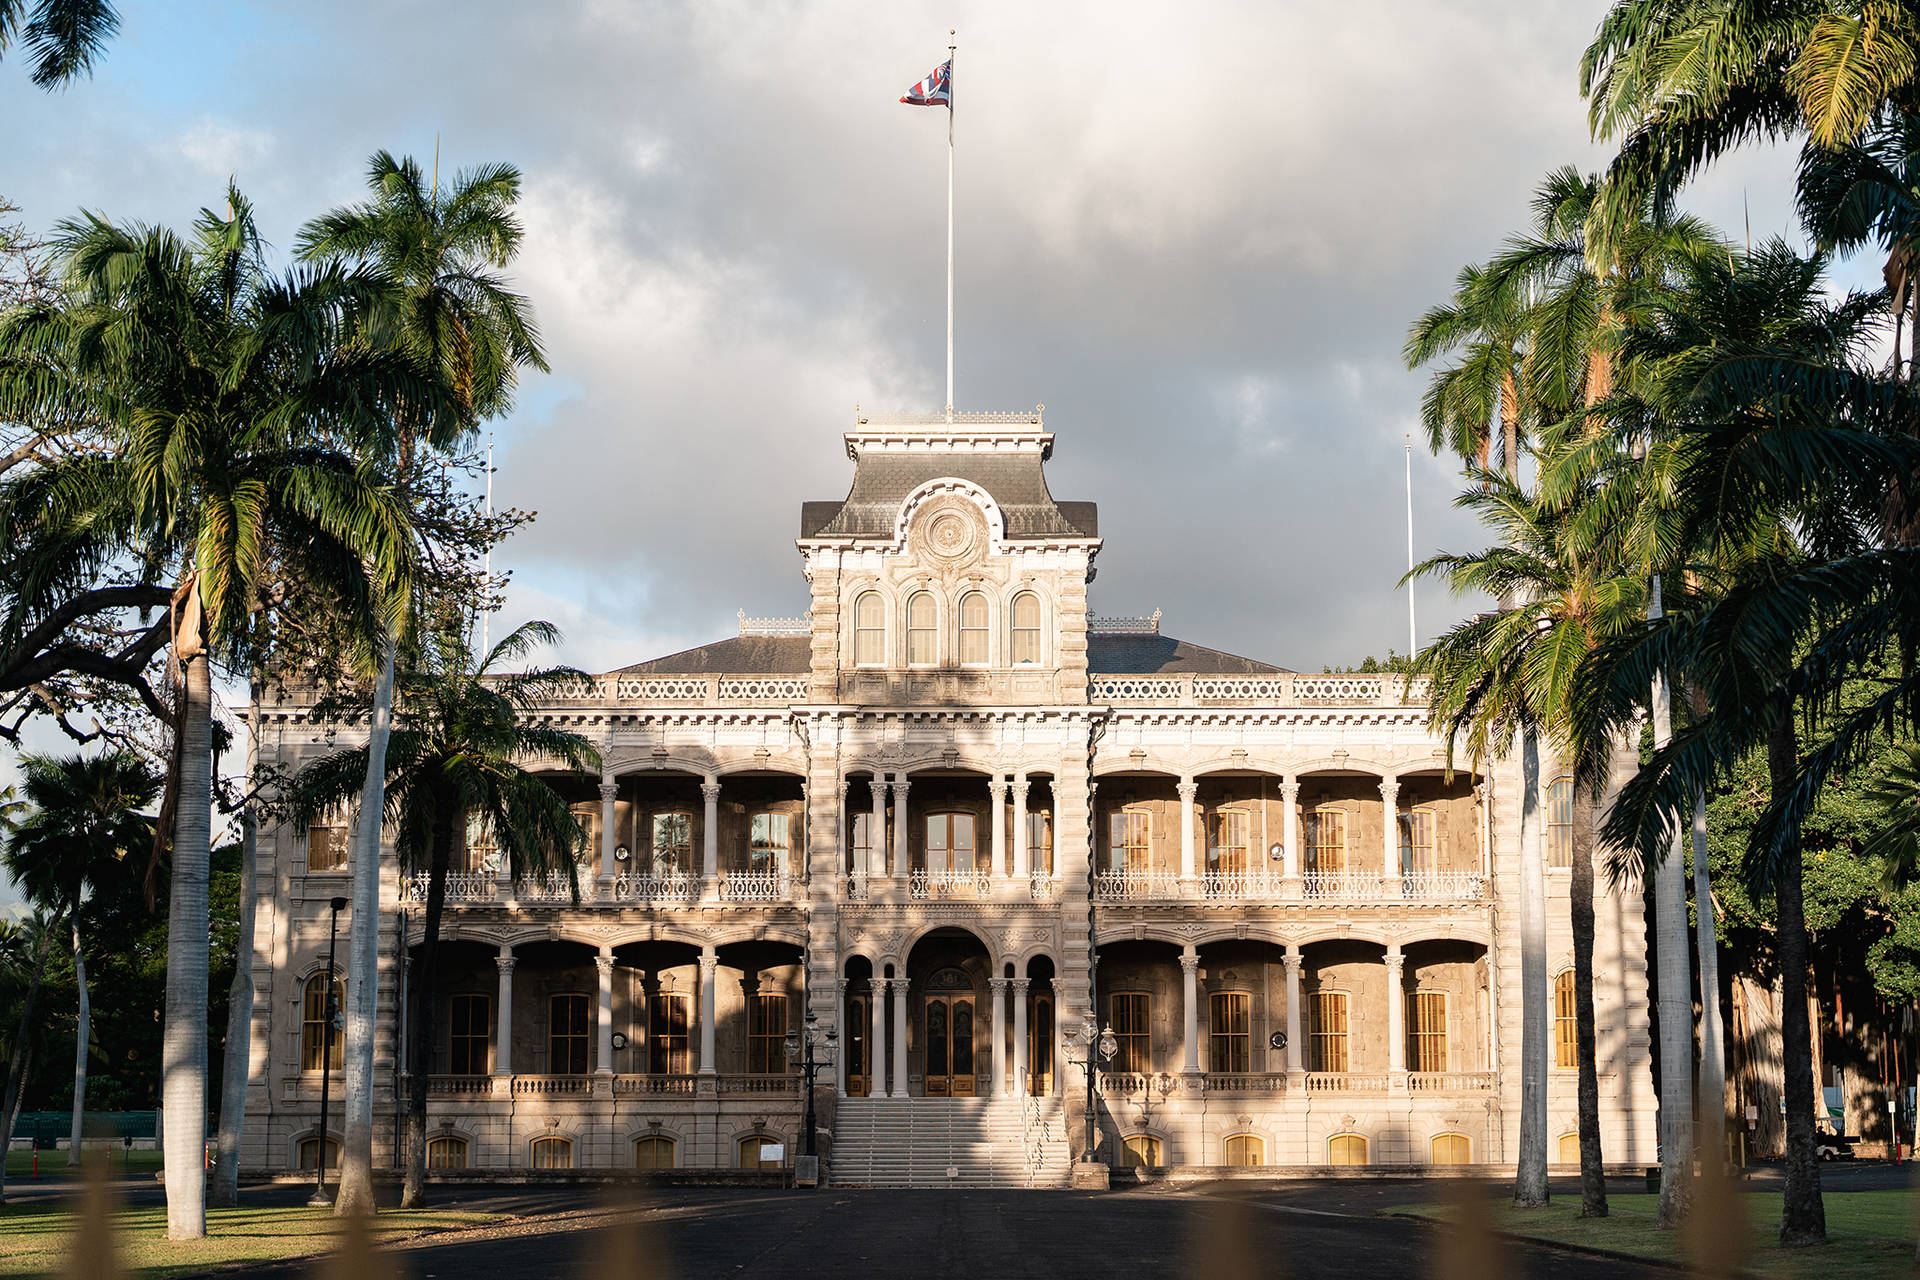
{"x":1293,"y":979}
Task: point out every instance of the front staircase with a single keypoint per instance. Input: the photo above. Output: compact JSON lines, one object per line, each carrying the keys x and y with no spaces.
{"x":951,"y":1142}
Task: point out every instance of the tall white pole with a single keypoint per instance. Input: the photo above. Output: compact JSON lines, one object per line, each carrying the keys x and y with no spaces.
{"x":950,"y":55}
{"x":486,"y":613}
{"x":1413,"y":632}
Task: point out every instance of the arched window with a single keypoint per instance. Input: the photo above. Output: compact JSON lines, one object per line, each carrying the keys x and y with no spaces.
{"x":1450,"y":1148}
{"x":1244,"y":1151}
{"x":869,"y":630}
{"x":310,"y":1152}
{"x":446,"y":1153}
{"x":313,"y":1023}
{"x":1569,"y":1149}
{"x":973,"y":630}
{"x":758,"y":1151}
{"x":1024,"y":634}
{"x":1141,"y":1151}
{"x":1346,"y":1148}
{"x":923,"y":638}
{"x":553,"y":1153}
{"x":1566,"y":1041}
{"x":653,"y":1153}
{"x":1560,"y":823}
{"x":567,"y":1035}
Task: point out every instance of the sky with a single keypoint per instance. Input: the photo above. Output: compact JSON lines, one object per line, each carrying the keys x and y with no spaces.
{"x":1196,"y":233}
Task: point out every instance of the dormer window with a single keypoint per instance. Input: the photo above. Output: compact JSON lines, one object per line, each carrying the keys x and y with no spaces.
{"x":869,"y":630}
{"x":1024,"y":635}
{"x":923,"y":636}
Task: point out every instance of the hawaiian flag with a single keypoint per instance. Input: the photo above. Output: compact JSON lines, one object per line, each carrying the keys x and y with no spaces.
{"x":935,"y":91}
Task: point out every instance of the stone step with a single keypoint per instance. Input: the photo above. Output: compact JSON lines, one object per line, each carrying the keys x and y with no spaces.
{"x":985,"y":1142}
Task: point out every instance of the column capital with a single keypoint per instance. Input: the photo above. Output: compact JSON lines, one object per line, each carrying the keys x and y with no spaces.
{"x":1292,"y":958}
{"x":998,"y":985}
{"x":1020,"y":984}
{"x":1389,"y":788}
{"x":710,"y":791}
{"x":1020,"y":786}
{"x":840,"y":985}
{"x":609,"y":789}
{"x":1290,"y":789}
{"x":604,"y":963}
{"x":900,"y":785}
{"x":1190,"y":961}
{"x":997,"y":788}
{"x":1396,"y":959}
{"x":505,"y":961}
{"x":709,"y":956}
{"x":1188,"y":788}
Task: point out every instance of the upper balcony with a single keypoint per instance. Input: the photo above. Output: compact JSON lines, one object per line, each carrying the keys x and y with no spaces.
{"x":1283,"y":689}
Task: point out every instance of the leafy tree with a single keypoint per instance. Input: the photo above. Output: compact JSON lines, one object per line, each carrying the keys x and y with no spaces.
{"x":457,"y":759}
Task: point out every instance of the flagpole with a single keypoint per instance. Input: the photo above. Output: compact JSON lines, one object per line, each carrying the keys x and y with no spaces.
{"x":950,"y":54}
{"x":1413,"y":632}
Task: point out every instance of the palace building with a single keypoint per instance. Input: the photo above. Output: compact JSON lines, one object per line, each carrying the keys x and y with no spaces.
{"x":947,"y":816}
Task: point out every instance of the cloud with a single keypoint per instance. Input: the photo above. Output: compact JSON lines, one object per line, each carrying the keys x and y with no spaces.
{"x":1197,"y":233}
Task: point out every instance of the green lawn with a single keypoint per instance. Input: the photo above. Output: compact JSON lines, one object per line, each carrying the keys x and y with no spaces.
{"x":33,"y":1236}
{"x":1870,"y":1233}
{"x":53,"y":1164}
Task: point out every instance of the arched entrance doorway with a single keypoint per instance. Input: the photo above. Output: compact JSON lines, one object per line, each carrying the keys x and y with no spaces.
{"x":950,"y":1049}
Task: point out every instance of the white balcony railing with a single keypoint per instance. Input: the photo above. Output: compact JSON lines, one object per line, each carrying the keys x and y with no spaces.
{"x":1135,"y":886}
{"x":1347,"y":886}
{"x":755,"y":886}
{"x":672,"y":886}
{"x":1449,"y":1081}
{"x":1244,"y":886}
{"x":1246,"y":1081}
{"x":947,"y":886}
{"x":554,"y":887}
{"x":1040,"y":887}
{"x":462,"y":887}
{"x":1444,"y":886}
{"x":1346,"y":1082}
{"x":859,"y":889}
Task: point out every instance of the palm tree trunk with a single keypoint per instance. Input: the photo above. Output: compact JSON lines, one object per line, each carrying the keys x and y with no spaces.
{"x":183,"y":1048}
{"x":423,"y":1019}
{"x":22,"y":1053}
{"x":1530,"y":1173}
{"x":1673,"y":991}
{"x":238,"y":1068}
{"x":1593,"y":1182}
{"x":1712,"y":1116}
{"x":82,"y":1041}
{"x":355,"y":1194}
{"x":1803,"y":1217}
{"x":1510,"y":426}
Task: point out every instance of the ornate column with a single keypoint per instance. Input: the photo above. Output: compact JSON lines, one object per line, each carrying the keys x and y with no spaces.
{"x":999,"y":988}
{"x":503,"y":1015}
{"x":899,"y":986}
{"x":998,"y":790}
{"x":1020,"y":1085}
{"x":1390,"y":834}
{"x":1190,"y":1006}
{"x":608,"y":790}
{"x":710,"y":838}
{"x":1396,"y":1019}
{"x":877,"y":1038}
{"x":1188,"y":790}
{"x":901,"y":866}
{"x":1022,"y":856}
{"x":1295,"y":1023}
{"x":1290,"y":828}
{"x":709,"y":976}
{"x":876,"y":868}
{"x":603,"y":1055}
{"x":846,"y":1027}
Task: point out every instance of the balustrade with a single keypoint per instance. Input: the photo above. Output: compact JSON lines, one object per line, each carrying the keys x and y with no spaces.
{"x":1244,"y":886}
{"x":943,"y":886}
{"x":1135,"y":886}
{"x":681,"y":1084}
{"x":755,"y":886}
{"x":1246,"y":1081}
{"x":461,"y":886}
{"x":1040,"y":887}
{"x":1346,"y":1082}
{"x":552,"y":1086}
{"x":758,"y":1084}
{"x":554,"y":887}
{"x":1450,"y":1081}
{"x":674,"y":886}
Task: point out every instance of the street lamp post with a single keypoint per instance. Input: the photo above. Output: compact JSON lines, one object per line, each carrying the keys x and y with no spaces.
{"x":801,"y":1052}
{"x":327,"y":1016}
{"x":1100,"y":1046}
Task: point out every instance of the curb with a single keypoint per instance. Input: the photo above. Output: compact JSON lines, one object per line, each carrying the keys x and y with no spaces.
{"x":1584,"y":1250}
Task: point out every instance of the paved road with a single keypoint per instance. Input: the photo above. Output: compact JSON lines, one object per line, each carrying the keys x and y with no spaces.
{"x":1222,"y":1231}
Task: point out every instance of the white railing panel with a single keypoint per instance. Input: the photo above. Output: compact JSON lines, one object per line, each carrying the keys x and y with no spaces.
{"x":755,"y":886}
{"x":1135,"y":886}
{"x":675,"y":886}
{"x":1243,"y":886}
{"x":939,"y":886}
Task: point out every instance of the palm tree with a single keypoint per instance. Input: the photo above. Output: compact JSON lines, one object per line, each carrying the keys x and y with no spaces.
{"x":32,"y":937}
{"x":62,"y":36}
{"x":1488,"y":325}
{"x":236,"y":403}
{"x":1788,"y":445}
{"x":1513,"y":670}
{"x":83,"y":826}
{"x":454,"y":316}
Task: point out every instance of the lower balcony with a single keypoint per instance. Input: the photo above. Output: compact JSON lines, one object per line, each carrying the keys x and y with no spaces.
{"x":1261,"y":886}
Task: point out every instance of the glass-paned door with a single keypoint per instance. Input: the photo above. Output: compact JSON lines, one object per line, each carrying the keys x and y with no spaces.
{"x":667,"y":1028}
{"x":1040,"y":840}
{"x":772,"y":841}
{"x":1129,"y":841}
{"x":1416,"y":842}
{"x":586,"y":849}
{"x":672,"y":844}
{"x":1040,"y":1046}
{"x":950,"y":1047}
{"x":567,"y":1035}
{"x":858,"y":1030}
{"x":1427,"y":1030}
{"x":1327,"y":1028}
{"x":1231,"y":1043}
{"x":1326,"y":842}
{"x":950,"y":845}
{"x":860,"y":850}
{"x":1129,"y":1015}
{"x":469,"y":1034}
{"x":1227,"y":841}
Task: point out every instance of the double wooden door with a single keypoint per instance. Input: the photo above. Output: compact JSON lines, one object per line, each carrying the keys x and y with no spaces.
{"x":949,"y":1021}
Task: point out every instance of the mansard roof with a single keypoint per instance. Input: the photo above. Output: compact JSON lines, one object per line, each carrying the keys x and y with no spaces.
{"x":1106,"y":655}
{"x":1001,"y":453}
